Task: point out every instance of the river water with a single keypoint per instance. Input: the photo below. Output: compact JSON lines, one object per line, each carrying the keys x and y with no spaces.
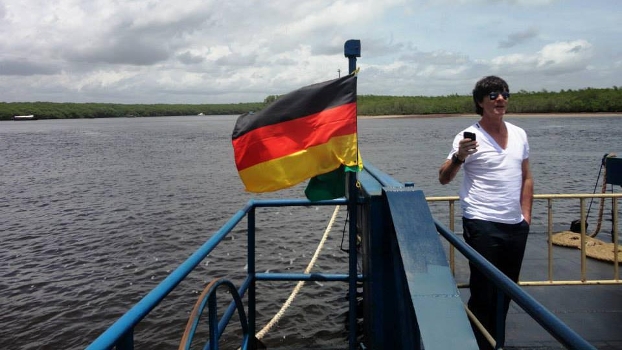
{"x":95,"y":213}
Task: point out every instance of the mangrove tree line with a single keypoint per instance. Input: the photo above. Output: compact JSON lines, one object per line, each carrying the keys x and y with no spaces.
{"x":587,"y":100}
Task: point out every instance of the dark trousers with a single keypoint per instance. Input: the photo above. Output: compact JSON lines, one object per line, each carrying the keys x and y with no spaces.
{"x":504,"y":246}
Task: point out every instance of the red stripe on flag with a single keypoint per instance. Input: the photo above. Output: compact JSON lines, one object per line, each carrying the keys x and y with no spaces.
{"x":282,"y":139}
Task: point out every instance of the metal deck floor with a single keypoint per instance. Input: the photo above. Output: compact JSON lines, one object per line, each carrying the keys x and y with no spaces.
{"x":594,"y":312}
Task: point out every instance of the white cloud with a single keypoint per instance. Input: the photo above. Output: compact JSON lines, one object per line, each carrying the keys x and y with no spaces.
{"x":198,"y":51}
{"x":556,"y":58}
{"x":566,"y":55}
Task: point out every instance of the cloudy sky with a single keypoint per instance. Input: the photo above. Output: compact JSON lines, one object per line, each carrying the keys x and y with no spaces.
{"x":229,"y":51}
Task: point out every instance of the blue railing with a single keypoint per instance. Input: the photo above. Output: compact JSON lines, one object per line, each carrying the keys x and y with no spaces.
{"x":121,"y":333}
{"x":553,"y":325}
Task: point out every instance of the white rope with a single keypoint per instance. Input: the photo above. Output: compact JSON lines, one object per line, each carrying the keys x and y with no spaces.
{"x":481,"y":327}
{"x":299,"y":285}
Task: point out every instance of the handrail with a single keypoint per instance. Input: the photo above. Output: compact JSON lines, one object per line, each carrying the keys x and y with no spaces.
{"x":120,"y":333}
{"x":540,"y":196}
{"x":550,"y":197}
{"x":537,"y":311}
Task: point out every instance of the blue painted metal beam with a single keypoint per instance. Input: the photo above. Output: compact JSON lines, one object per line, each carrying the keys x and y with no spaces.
{"x":432,"y":289}
{"x":304,"y":277}
{"x":385,"y":325}
{"x":295,"y":202}
{"x":382,"y":178}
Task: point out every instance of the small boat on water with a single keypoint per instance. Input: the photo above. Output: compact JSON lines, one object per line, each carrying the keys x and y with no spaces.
{"x":24,"y":117}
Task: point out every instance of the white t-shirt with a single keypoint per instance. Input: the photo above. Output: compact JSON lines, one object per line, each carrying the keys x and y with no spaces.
{"x":493,"y":179}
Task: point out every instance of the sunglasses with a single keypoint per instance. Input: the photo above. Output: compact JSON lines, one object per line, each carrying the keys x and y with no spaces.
{"x":493,"y":95}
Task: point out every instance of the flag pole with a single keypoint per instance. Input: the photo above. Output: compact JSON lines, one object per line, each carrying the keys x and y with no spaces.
{"x":352,"y":50}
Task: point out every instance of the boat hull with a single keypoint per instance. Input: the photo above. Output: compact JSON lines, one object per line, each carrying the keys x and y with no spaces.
{"x":24,"y":117}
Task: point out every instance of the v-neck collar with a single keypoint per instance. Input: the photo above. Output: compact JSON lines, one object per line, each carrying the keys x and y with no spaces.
{"x":492,"y":140}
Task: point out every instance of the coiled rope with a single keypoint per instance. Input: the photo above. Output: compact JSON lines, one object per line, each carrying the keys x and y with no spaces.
{"x":601,"y":207}
{"x":595,"y":248}
{"x":299,"y":285}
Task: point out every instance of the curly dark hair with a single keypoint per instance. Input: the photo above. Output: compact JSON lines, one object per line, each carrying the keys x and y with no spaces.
{"x":485,"y":86}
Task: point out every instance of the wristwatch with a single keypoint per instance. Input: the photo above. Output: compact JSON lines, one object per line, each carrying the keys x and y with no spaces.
{"x":456,"y":160}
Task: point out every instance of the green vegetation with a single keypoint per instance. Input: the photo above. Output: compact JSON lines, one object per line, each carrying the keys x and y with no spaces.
{"x":50,"y":110}
{"x":587,"y":100}
{"x":566,"y":101}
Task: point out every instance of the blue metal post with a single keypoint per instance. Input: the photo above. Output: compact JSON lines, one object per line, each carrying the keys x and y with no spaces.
{"x":213,"y":322}
{"x":352,"y":50}
{"x":127,"y":341}
{"x":251,"y":273}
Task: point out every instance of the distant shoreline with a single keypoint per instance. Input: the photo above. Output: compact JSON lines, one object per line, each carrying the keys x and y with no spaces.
{"x":509,"y":115}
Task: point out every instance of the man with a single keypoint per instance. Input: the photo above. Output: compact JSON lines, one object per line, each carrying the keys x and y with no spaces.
{"x":496,"y":195}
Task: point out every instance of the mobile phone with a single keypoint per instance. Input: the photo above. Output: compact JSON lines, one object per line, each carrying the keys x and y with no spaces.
{"x":469,"y":135}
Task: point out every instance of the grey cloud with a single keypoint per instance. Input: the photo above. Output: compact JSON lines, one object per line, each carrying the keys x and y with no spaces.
{"x":24,"y":68}
{"x":576,"y":49}
{"x":322,"y":48}
{"x":383,"y":47}
{"x":128,"y":50}
{"x":284,"y":61}
{"x":518,"y":38}
{"x":439,"y":58}
{"x":237,"y":60}
{"x":143,"y":44}
{"x":189,"y":58}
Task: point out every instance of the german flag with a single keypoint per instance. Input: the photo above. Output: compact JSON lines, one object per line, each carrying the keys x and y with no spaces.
{"x":307,"y":132}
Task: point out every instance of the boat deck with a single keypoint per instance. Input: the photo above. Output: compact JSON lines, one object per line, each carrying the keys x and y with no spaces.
{"x":593,"y":311}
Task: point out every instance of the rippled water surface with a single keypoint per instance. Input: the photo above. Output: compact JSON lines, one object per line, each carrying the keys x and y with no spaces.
{"x":95,"y":213}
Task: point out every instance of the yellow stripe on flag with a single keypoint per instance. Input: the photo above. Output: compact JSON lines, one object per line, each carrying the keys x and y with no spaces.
{"x":292,"y":169}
